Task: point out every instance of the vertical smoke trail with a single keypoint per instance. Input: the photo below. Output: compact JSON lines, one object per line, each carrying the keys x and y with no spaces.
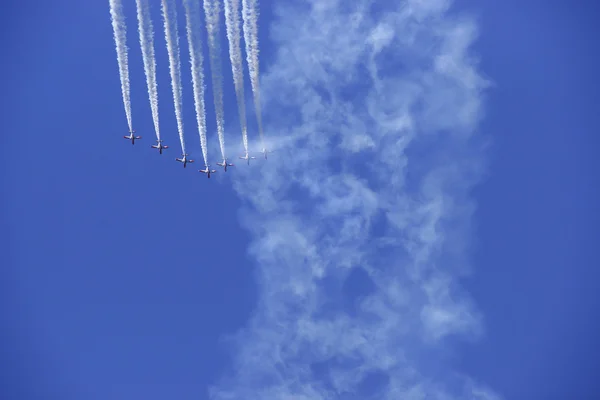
{"x":120,"y":34}
{"x":250,"y":17}
{"x":146,"y":31}
{"x":195,"y":49}
{"x":232,"y":21}
{"x":211,"y":11}
{"x":170,"y":18}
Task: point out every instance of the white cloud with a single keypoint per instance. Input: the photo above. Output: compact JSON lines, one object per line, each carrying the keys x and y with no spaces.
{"x":372,"y":110}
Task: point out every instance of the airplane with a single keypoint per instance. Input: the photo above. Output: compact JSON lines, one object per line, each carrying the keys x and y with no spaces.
{"x":131,"y":137}
{"x":159,"y":146}
{"x":224,"y":164}
{"x":184,"y":160}
{"x":265,"y":151}
{"x":247,"y":158}
{"x":207,"y":171}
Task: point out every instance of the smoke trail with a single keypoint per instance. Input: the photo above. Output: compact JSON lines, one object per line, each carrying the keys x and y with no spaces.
{"x":195,"y":49}
{"x":211,"y":11}
{"x":170,"y":18}
{"x":120,"y":34}
{"x":250,"y":17}
{"x":232,"y":21}
{"x":146,"y":31}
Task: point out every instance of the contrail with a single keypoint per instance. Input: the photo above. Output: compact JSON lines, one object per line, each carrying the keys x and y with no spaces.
{"x":170,"y":18}
{"x":232,"y":21}
{"x":250,"y":17}
{"x":211,"y":12}
{"x":195,"y":49}
{"x":120,"y":34}
{"x":146,"y":31}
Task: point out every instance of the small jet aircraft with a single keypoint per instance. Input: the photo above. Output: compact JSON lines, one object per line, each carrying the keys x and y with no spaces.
{"x":207,"y":171}
{"x":184,"y":160}
{"x":265,"y":151}
{"x":159,"y":146}
{"x":224,"y":164}
{"x":131,"y":137}
{"x":247,"y":158}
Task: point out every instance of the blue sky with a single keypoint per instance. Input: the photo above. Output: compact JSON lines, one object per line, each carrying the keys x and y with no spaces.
{"x":425,"y":229}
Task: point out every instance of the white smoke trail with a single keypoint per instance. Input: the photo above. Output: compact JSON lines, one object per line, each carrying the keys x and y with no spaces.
{"x":232,"y":21}
{"x":250,"y":17}
{"x":172,"y":38}
{"x":120,"y":34}
{"x":211,"y":12}
{"x":195,"y":49}
{"x":146,"y":30}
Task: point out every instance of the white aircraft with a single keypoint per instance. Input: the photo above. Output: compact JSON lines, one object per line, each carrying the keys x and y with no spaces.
{"x":224,"y":164}
{"x":207,"y":171}
{"x":265,"y":151}
{"x":159,"y":146}
{"x":247,"y":158}
{"x":184,"y":160}
{"x":131,"y":137}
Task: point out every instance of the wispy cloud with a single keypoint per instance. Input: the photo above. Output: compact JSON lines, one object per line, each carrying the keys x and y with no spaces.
{"x":360,"y":221}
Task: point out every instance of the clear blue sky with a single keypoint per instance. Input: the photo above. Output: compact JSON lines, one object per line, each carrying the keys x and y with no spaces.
{"x":127,"y":276}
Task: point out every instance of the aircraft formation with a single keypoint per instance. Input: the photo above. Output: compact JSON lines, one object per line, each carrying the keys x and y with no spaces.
{"x":184,"y":160}
{"x":212,"y":11}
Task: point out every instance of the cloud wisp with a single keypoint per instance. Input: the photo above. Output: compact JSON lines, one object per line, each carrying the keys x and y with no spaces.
{"x":360,"y":222}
